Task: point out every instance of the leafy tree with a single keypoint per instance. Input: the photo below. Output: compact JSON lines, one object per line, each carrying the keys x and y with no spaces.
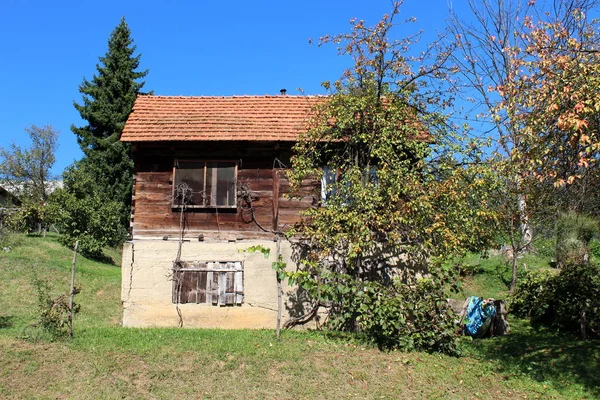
{"x":493,"y":26}
{"x":84,"y":213}
{"x":492,"y":49}
{"x":27,"y":170}
{"x":107,"y":102}
{"x":554,"y":99}
{"x":401,"y":200}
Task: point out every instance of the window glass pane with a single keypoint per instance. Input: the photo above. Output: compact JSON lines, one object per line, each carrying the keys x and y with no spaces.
{"x":191,"y":174}
{"x":226,"y":186}
{"x":220,"y":183}
{"x":211,"y":184}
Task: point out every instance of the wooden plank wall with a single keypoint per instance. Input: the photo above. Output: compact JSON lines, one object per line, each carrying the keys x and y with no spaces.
{"x":153,"y":216}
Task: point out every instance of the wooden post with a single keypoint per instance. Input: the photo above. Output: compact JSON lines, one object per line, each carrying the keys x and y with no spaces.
{"x":72,"y":292}
{"x":278,"y":241}
{"x":275,"y":200}
{"x":279,"y":290}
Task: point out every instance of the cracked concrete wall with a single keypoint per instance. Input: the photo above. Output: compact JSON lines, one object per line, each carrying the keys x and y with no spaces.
{"x":146,"y":292}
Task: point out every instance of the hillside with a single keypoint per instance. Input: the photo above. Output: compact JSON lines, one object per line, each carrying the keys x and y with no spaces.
{"x":107,"y":361}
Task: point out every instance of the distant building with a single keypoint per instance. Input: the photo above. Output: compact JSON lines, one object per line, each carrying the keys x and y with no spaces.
{"x":7,"y":199}
{"x":13,"y":191}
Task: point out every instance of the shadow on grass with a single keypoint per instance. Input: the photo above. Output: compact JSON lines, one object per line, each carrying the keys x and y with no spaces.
{"x":106,"y":259}
{"x":6,"y":321}
{"x":545,"y":356}
{"x":109,"y":256}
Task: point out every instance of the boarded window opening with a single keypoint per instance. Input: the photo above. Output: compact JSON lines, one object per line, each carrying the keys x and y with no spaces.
{"x":215,"y":282}
{"x":213,"y":183}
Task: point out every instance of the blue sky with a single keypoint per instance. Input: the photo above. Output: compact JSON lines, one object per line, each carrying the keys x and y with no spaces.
{"x":190,"y":47}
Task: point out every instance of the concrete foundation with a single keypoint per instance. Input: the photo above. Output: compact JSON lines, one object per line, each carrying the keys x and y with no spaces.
{"x":147,"y":287}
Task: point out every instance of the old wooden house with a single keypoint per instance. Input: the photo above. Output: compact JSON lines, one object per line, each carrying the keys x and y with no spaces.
{"x":210,"y":171}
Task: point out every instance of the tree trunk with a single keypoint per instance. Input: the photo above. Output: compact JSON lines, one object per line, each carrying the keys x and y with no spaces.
{"x":515,"y":265}
{"x":583,"y":324}
{"x":525,"y":228}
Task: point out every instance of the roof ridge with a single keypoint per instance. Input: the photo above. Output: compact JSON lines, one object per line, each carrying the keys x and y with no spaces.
{"x":201,"y":118}
{"x":257,"y":96}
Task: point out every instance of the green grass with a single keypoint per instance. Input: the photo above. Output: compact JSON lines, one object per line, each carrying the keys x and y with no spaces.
{"x":490,"y":276}
{"x":45,"y":258}
{"x":107,"y":361}
{"x":562,"y":362}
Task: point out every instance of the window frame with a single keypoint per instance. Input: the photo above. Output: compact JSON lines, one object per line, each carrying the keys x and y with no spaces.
{"x":205,"y":163}
{"x":221,"y":283}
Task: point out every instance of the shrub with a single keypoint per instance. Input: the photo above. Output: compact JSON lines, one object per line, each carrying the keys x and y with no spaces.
{"x":409,"y":317}
{"x":545,"y":247}
{"x":566,"y":300}
{"x":577,"y":296}
{"x":8,"y":239}
{"x":93,"y":220}
{"x":53,"y":314}
{"x":532,"y":295}
{"x":573,"y":235}
{"x":30,"y":217}
{"x":595,"y":248}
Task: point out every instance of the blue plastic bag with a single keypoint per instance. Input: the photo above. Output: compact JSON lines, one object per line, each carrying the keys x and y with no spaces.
{"x":478,"y":316}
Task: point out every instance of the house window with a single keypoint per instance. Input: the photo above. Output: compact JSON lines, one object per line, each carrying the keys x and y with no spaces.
{"x":212,"y":184}
{"x":332,"y":176}
{"x":216,"y":283}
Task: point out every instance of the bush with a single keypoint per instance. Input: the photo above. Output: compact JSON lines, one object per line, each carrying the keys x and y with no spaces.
{"x":409,"y":317}
{"x":532,"y":295}
{"x":565,"y":301}
{"x":573,"y":235}
{"x":8,"y":239}
{"x":93,"y":220}
{"x":30,"y":217}
{"x":577,"y":292}
{"x":545,"y":247}
{"x":53,"y":311}
{"x":595,"y":248}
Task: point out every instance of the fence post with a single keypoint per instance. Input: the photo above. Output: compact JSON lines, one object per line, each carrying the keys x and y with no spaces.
{"x":72,"y":292}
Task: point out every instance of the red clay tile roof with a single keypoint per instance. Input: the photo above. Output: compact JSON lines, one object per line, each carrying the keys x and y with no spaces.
{"x":181,"y":118}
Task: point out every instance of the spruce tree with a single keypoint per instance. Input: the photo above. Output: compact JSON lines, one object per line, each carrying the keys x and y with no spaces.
{"x":107,"y":101}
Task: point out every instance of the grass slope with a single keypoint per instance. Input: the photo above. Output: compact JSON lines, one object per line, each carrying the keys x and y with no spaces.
{"x":107,"y":361}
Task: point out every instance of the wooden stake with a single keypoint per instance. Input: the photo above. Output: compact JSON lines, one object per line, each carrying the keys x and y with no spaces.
{"x":278,"y":239}
{"x":279,"y":290}
{"x":72,"y":293}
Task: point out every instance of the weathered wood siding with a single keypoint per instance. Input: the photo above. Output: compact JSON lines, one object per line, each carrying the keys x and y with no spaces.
{"x":152,"y":212}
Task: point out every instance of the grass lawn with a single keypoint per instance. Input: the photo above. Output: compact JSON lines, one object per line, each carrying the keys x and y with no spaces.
{"x":491,"y":277}
{"x":107,"y":361}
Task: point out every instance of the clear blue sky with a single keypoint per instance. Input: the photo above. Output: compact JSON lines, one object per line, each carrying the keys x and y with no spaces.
{"x":190,"y":47}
